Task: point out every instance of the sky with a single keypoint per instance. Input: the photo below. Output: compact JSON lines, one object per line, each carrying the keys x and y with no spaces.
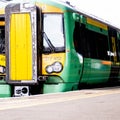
{"x":104,"y":9}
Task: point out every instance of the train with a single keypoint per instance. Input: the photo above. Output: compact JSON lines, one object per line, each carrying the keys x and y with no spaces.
{"x":5,"y":89}
{"x":52,"y":46}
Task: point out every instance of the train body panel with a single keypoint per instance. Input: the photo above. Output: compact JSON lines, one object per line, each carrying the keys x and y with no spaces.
{"x":71,"y":48}
{"x":5,"y":89}
{"x":95,"y":71}
{"x":23,"y":37}
{"x":21,"y":43}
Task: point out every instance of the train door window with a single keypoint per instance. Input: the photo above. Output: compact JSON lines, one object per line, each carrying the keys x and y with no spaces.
{"x":102,"y":46}
{"x":79,"y":36}
{"x":92,"y":43}
{"x":76,"y":36}
{"x":2,"y":39}
{"x":98,"y":44}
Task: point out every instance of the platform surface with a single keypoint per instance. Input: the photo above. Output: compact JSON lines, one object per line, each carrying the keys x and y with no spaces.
{"x":87,"y":104}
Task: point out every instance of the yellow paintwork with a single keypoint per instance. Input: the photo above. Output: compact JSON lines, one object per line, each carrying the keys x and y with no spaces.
{"x":49,"y":59}
{"x":20,"y":47}
{"x":97,"y":23}
{"x":2,"y":60}
{"x":2,"y":23}
{"x":48,"y":8}
{"x":114,"y":49}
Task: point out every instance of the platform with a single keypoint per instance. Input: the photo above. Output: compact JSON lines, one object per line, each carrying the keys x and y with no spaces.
{"x":87,"y":104}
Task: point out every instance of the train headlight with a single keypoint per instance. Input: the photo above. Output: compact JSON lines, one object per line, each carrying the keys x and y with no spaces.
{"x":49,"y":69}
{"x":2,"y":69}
{"x":55,"y":67}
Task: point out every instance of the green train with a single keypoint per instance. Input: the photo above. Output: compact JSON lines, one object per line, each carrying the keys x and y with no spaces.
{"x":53,"y":47}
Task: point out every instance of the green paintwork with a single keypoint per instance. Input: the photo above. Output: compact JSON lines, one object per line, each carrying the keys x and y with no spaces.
{"x":95,"y":72}
{"x":54,"y":80}
{"x":71,"y":73}
{"x":60,"y":87}
{"x":2,"y":81}
{"x":5,"y":90}
{"x":97,"y":29}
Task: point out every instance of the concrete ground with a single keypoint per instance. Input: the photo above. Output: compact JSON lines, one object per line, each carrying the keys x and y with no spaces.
{"x":88,"y":104}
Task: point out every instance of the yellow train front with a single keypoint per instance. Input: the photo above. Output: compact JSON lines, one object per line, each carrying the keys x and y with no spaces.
{"x":51,"y":47}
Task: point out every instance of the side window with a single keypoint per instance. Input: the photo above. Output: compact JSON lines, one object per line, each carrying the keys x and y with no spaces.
{"x":90,"y":43}
{"x":76,"y":36}
{"x":98,"y":44}
{"x":102,"y":46}
{"x":80,"y":43}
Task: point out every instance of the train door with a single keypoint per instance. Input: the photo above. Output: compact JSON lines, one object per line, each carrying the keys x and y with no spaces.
{"x":115,"y":67}
{"x":21,"y":44}
{"x":81,"y":48}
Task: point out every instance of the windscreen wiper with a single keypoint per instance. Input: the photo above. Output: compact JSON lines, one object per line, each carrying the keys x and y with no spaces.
{"x":52,"y":48}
